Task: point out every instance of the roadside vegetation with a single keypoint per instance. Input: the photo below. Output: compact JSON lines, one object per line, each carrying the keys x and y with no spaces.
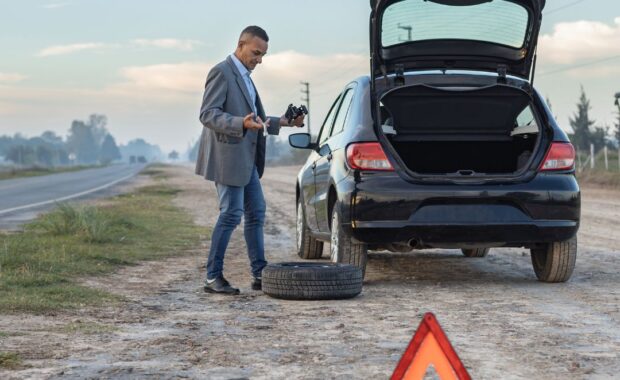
{"x":39,"y":267}
{"x":10,"y":360}
{"x":10,"y":173}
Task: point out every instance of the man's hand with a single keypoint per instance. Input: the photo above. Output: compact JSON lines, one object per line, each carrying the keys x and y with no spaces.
{"x":298,"y":122}
{"x":250,"y":123}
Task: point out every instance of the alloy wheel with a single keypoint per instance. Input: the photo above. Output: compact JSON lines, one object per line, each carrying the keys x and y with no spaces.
{"x":300,"y":225}
{"x":334,"y":237}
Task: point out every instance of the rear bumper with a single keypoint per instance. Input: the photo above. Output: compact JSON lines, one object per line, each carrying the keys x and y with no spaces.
{"x":385,"y":209}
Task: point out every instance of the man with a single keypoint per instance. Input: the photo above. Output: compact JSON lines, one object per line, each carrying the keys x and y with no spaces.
{"x":232,"y":154}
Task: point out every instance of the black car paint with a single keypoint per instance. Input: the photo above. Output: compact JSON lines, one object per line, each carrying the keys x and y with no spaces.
{"x":379,"y":208}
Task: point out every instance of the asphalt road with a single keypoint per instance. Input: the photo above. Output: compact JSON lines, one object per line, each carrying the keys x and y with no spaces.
{"x":22,"y":199}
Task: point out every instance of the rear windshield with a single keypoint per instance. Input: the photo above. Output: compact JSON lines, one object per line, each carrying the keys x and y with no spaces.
{"x":500,"y":21}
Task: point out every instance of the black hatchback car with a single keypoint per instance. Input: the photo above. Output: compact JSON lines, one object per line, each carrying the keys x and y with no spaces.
{"x":445,"y":145}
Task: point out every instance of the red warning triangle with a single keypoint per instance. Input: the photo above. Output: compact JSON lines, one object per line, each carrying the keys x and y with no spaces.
{"x":430,"y":346}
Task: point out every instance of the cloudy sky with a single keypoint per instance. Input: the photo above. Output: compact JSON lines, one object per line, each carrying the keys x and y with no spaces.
{"x":143,"y":62}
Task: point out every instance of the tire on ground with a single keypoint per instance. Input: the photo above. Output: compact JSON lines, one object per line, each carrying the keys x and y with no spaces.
{"x":307,"y":246}
{"x":555,"y":262}
{"x":342,"y":248}
{"x":475,"y":252}
{"x":311,"y":281}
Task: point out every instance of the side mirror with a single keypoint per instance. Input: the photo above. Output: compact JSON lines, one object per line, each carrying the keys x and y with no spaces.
{"x":301,"y":141}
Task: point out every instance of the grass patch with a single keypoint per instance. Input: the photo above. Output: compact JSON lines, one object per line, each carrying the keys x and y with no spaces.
{"x":87,"y":328}
{"x":39,"y":267}
{"x":10,"y":360}
{"x":38,"y":171}
{"x":157,"y":171}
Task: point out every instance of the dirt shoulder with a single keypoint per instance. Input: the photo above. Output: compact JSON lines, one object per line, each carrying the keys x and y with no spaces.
{"x":502,"y":322}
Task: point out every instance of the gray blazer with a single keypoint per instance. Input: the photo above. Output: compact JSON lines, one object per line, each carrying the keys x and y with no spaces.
{"x":228,"y":152}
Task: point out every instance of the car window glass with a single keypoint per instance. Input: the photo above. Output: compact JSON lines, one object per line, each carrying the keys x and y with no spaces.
{"x":342,"y":112}
{"x":503,"y":22}
{"x":327,"y":124}
{"x":525,"y":122}
{"x":526,"y":117}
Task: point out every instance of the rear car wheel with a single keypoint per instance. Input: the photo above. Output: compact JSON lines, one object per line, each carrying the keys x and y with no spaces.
{"x":555,"y":262}
{"x":476,"y":252}
{"x":342,"y":247}
{"x":311,"y":281}
{"x":307,"y":246}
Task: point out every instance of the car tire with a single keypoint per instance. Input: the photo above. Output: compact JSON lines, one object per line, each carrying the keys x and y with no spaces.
{"x":475,"y":252}
{"x":311,"y":281}
{"x":555,"y":262}
{"x":307,"y":247}
{"x":342,"y":248}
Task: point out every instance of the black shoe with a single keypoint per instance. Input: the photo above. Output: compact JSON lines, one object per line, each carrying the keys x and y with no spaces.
{"x":221,"y":286}
{"x":257,"y":284}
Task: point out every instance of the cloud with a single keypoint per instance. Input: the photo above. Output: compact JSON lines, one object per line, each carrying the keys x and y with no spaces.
{"x":580,"y":41}
{"x":167,"y":43}
{"x":72,"y":48}
{"x":11,"y":77}
{"x":55,"y":5}
{"x":161,"y":101}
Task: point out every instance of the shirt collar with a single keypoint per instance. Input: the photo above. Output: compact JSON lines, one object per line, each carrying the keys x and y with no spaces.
{"x":242,"y":69}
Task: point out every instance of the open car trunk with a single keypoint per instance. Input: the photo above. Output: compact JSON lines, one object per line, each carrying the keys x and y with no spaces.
{"x":457,"y":131}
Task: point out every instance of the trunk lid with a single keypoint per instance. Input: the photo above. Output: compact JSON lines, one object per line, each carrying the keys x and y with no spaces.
{"x":490,"y":35}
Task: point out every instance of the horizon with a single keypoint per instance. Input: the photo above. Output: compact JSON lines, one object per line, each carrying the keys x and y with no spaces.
{"x":145,"y":70}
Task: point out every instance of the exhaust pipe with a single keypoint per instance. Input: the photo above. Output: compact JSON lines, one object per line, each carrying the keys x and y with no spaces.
{"x":413,"y":243}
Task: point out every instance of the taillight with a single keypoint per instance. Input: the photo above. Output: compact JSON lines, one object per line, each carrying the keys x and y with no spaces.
{"x":367,"y":156}
{"x":561,"y":156}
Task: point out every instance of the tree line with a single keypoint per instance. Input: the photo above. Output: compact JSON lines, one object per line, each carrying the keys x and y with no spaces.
{"x":88,"y":142}
{"x":586,"y":132}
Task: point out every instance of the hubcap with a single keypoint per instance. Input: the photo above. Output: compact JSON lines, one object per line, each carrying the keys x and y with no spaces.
{"x":300,"y":224}
{"x":334,"y":238}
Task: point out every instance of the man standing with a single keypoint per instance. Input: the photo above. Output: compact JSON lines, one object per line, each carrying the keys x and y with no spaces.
{"x":232,"y":154}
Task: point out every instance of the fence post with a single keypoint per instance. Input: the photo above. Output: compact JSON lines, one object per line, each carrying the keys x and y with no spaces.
{"x":606,"y":162}
{"x":591,"y":156}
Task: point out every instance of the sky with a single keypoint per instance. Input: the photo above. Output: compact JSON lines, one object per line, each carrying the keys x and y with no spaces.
{"x":143,"y":63}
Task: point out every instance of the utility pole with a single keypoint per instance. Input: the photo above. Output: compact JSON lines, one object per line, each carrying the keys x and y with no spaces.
{"x":306,"y":91}
{"x":408,"y":29}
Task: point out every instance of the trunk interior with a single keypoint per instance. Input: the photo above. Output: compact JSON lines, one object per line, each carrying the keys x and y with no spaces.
{"x":461,"y":131}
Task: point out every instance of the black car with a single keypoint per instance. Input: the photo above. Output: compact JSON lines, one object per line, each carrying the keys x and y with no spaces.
{"x":446,"y":145}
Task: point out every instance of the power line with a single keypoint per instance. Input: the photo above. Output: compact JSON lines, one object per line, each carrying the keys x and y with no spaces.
{"x":579,"y":66}
{"x":562,"y":7}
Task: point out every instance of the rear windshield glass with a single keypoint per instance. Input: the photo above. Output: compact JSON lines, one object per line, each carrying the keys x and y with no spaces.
{"x":499,"y":21}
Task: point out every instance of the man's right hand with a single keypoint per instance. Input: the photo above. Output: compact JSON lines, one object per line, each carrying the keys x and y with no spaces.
{"x":249,"y":123}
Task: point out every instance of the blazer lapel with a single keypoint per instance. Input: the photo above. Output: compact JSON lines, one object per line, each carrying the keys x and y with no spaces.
{"x":241,"y":83}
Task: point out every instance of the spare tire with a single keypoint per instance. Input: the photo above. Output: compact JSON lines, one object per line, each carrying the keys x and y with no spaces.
{"x":312,"y":281}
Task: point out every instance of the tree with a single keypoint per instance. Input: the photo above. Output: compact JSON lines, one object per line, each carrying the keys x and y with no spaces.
{"x":174,"y":155}
{"x":581,"y":123}
{"x":82,"y":142}
{"x":98,"y":124}
{"x":192,"y":153}
{"x":51,"y":138}
{"x":109,"y":150}
{"x":617,"y":130}
{"x":22,"y":155}
{"x":139,"y":147}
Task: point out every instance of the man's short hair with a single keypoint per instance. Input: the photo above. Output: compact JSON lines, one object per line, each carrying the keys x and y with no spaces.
{"x":255,"y":31}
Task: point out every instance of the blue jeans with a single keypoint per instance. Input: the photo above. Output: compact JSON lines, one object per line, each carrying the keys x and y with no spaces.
{"x":237,"y":201}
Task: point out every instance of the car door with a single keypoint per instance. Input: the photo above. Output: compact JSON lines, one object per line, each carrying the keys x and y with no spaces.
{"x":309,"y":185}
{"x":322,"y":168}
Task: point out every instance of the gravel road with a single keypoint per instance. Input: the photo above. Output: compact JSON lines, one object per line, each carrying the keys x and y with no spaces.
{"x":501,"y":321}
